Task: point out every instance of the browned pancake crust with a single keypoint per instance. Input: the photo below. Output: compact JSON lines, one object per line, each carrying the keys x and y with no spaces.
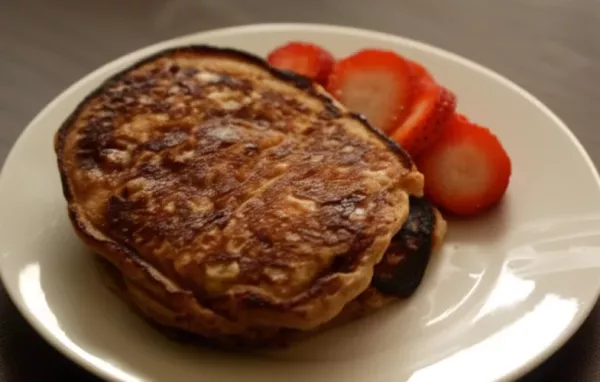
{"x":233,"y":194}
{"x":366,"y":303}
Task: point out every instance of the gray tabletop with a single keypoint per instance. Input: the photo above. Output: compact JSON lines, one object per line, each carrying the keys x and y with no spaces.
{"x":550,"y":47}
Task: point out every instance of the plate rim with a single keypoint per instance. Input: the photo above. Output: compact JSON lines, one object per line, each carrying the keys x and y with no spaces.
{"x":531,"y":363}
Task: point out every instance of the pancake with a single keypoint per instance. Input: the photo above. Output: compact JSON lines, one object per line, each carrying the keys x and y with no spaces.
{"x":403,"y":266}
{"x":234,"y":200}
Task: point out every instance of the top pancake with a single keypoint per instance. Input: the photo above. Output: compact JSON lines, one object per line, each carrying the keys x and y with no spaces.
{"x":244,"y":191}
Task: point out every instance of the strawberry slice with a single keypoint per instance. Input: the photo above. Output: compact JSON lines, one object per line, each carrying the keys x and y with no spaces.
{"x":303,"y":58}
{"x":375,"y":83}
{"x":467,"y":170}
{"x":431,"y":108}
{"x":418,"y":71}
{"x":429,"y":113}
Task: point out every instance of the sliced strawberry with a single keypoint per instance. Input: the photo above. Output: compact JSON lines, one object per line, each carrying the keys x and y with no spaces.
{"x":375,"y":83}
{"x":430,"y":110}
{"x":431,"y":107}
{"x":467,"y":170}
{"x":303,"y":58}
{"x":418,"y":71}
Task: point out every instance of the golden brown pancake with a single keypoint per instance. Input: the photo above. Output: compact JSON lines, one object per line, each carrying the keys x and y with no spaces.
{"x":233,"y":199}
{"x":403,"y":265}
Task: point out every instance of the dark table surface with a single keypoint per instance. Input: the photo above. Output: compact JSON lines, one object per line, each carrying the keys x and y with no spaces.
{"x":550,"y":47}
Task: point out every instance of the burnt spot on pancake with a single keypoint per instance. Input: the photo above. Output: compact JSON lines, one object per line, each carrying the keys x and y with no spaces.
{"x":120,"y":223}
{"x":403,"y":266}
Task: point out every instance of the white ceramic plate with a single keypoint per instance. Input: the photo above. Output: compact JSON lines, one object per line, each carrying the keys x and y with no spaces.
{"x":505,"y":292}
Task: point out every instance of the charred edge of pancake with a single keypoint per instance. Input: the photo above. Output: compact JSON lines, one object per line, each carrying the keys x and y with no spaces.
{"x":402,"y":269}
{"x":299,"y":81}
{"x":121,"y":248}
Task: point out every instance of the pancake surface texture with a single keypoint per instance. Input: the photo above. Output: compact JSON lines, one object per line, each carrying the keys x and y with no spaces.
{"x":402,"y":268}
{"x":235,"y":200}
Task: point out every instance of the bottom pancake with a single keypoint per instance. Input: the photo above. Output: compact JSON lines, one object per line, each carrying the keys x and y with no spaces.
{"x":401,"y":270}
{"x":397,"y":276}
{"x":169,"y":323}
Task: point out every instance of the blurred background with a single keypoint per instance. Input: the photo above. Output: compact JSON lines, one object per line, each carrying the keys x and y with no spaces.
{"x":550,"y":47}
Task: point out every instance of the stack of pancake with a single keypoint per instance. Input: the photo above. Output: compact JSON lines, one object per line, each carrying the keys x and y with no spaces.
{"x":240,"y":203}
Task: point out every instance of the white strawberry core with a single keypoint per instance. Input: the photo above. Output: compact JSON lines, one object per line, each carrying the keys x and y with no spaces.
{"x":372,"y":94}
{"x":463,"y":170}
